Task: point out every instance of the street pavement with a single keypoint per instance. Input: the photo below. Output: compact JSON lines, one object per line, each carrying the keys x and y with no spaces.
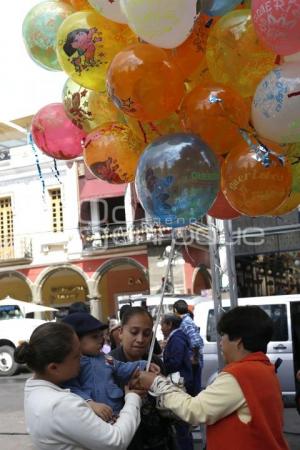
{"x":13,"y":435}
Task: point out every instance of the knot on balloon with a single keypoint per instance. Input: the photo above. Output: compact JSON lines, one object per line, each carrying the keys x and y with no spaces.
{"x":262,"y":152}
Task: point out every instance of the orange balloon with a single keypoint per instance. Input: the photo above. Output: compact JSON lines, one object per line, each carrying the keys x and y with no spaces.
{"x":79,"y":5}
{"x":249,"y":185}
{"x":111,"y":152}
{"x":149,"y":131}
{"x":292,"y":202}
{"x":189,"y":55}
{"x":144,"y":83}
{"x":216,"y":113}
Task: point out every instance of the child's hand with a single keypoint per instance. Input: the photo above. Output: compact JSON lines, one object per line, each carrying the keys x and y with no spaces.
{"x":102,"y":410}
{"x":136,"y":390}
{"x":154,"y":368}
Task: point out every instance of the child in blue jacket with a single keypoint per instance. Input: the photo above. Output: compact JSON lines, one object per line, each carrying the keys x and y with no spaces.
{"x":99,"y":373}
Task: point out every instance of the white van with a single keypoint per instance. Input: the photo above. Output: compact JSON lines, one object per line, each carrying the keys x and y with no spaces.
{"x":284,"y":311}
{"x":16,"y":326}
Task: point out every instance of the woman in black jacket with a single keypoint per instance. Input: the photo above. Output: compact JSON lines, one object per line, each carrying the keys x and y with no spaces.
{"x":154,"y":432}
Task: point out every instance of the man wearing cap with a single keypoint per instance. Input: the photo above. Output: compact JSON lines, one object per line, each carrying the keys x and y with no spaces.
{"x":99,"y":374}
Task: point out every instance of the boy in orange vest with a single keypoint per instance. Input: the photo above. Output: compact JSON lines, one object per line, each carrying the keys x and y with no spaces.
{"x":243,"y":407}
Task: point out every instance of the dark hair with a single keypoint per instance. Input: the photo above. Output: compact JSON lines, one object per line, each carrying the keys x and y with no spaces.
{"x":249,"y":323}
{"x":68,"y":46}
{"x":181,"y":307}
{"x":123,"y":309}
{"x":78,"y":307}
{"x":175,"y":321}
{"x":135,"y":311}
{"x":49,"y":343}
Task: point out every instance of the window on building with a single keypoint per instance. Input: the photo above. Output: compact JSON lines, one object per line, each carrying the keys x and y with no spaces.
{"x":56,"y":210}
{"x":6,"y":228}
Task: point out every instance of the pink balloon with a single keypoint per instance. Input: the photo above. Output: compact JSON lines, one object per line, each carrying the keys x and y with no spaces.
{"x":55,"y":134}
{"x":277,"y":24}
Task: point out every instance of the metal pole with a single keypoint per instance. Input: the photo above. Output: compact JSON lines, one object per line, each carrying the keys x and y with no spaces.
{"x":171,"y":255}
{"x":216,"y":277}
{"x":230,"y":260}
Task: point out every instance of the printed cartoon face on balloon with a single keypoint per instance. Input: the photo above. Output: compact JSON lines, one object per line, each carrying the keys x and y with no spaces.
{"x":177,"y":179}
{"x":80,"y":48}
{"x":86,"y":43}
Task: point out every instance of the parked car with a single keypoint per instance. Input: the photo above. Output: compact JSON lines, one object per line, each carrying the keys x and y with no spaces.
{"x":283,"y":309}
{"x":15,"y":327}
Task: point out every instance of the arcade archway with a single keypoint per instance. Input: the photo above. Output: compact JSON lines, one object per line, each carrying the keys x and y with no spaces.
{"x":15,"y":285}
{"x":123,"y":276}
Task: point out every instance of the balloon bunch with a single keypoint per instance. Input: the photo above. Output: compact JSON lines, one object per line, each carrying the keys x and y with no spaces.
{"x":196,"y":100}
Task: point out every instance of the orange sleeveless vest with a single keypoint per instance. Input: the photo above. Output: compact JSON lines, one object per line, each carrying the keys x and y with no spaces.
{"x":258,"y":381}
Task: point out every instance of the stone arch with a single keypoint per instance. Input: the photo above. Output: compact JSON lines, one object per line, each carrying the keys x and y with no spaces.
{"x":132,"y":276}
{"x":16,"y":285}
{"x":62,"y":285}
{"x":201,"y":279}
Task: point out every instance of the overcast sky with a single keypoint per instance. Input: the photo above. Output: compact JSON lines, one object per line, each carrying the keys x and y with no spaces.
{"x":25,"y":87}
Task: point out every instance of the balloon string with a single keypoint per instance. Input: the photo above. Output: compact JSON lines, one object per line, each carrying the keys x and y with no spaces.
{"x":143,"y":131}
{"x":37,"y":162}
{"x":56,"y":171}
{"x":294,"y":94}
{"x":157,"y":321}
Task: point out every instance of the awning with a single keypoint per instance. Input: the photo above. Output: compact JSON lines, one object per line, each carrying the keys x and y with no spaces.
{"x":95,"y":188}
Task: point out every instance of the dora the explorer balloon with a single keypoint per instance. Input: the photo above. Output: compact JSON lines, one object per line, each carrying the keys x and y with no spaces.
{"x":81,"y":44}
{"x":86,"y":44}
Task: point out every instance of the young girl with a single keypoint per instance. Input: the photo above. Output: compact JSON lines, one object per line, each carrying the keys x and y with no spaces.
{"x":56,"y":418}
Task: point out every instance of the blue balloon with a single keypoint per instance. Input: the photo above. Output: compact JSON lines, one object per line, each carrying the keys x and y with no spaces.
{"x":177,"y":179}
{"x":217,"y":7}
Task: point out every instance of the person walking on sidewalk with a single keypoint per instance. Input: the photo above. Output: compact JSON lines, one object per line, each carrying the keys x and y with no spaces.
{"x":243,"y":407}
{"x":189,"y":327}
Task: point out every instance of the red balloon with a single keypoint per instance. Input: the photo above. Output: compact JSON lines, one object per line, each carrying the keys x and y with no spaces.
{"x":55,"y":134}
{"x":221,"y":209}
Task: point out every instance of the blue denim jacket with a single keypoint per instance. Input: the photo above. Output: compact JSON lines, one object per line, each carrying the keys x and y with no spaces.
{"x":98,"y":378}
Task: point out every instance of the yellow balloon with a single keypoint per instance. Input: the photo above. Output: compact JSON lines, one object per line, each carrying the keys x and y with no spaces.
{"x":200,"y":76}
{"x":86,"y":44}
{"x":288,"y":206}
{"x":234,"y":54}
{"x":88,"y":109}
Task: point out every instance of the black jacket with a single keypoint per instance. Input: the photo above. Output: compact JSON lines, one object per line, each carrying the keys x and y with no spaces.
{"x":154,"y":432}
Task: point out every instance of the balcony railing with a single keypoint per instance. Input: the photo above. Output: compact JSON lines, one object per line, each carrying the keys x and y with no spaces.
{"x":100,"y":238}
{"x":18,"y":251}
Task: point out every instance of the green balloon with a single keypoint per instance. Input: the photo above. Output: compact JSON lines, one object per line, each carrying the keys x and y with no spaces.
{"x":39,"y":32}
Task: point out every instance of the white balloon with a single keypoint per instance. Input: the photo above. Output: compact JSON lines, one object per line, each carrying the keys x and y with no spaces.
{"x":276,"y":105}
{"x":111,"y":9}
{"x":164,"y":23}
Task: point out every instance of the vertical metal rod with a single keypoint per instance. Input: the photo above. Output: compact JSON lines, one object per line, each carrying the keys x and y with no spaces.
{"x":216,"y":277}
{"x":171,"y":255}
{"x":230,"y":263}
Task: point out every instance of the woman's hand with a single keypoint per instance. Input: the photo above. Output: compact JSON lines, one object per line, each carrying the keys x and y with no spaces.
{"x":102,"y":410}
